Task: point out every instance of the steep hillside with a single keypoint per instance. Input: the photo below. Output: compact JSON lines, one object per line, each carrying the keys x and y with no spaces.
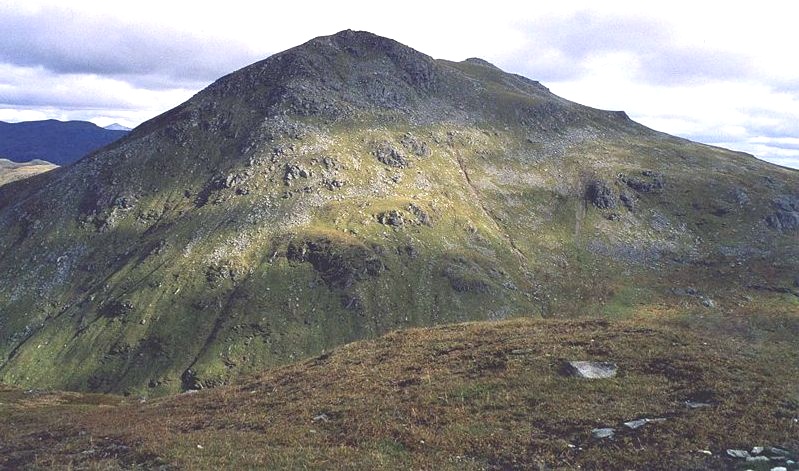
{"x":13,"y":171}
{"x":351,"y":186}
{"x":59,"y":142}
{"x":472,"y":396}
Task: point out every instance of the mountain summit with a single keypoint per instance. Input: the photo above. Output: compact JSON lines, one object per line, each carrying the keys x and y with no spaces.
{"x":351,"y":186}
{"x":117,"y":127}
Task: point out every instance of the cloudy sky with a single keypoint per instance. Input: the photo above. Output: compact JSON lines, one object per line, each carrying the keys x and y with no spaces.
{"x":722,"y":73}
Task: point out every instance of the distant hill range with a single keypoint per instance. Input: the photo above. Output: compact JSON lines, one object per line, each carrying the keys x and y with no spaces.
{"x":59,"y":142}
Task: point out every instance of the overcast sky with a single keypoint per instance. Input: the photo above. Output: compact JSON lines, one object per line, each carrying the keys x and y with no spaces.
{"x":723,"y":73}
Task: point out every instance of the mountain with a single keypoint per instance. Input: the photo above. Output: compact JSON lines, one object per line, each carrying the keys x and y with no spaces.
{"x":117,"y":127}
{"x":487,"y":395}
{"x":351,"y":186}
{"x":13,"y":171}
{"x":59,"y":142}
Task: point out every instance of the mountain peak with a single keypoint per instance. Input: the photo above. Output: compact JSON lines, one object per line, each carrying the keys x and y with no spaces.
{"x":342,"y":75}
{"x":360,"y":38}
{"x":116,"y":127}
{"x":353,"y":185}
{"x":483,"y":62}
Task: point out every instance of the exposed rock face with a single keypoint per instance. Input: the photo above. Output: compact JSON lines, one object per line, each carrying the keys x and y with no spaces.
{"x":338,"y":266}
{"x":601,"y":195}
{"x":391,"y":218}
{"x":351,"y":186}
{"x":415,"y":146}
{"x":627,"y":200}
{"x":786,"y":214}
{"x":390,"y":155}
{"x":648,"y":182}
{"x":294,"y":172}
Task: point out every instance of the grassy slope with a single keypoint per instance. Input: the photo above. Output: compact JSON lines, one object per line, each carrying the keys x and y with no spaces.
{"x":465,"y":396}
{"x":12,"y":171}
{"x":518,"y":232}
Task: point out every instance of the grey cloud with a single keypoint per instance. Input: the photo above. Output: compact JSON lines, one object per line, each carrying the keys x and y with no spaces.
{"x":780,"y":145}
{"x":581,"y":35}
{"x":780,"y":124}
{"x":22,"y":88}
{"x":52,"y":39}
{"x":547,"y":69}
{"x":571,"y":41}
{"x":40,"y":88}
{"x":691,"y":65}
{"x":768,"y":152}
{"x":68,"y":101}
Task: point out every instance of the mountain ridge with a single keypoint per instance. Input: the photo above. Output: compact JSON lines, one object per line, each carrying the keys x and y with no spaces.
{"x":351,"y":186}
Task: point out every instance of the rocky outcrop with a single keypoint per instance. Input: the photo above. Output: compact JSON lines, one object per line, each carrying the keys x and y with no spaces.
{"x":387,"y":153}
{"x":649,"y":181}
{"x":601,"y":195}
{"x":340,"y":266}
{"x":786,"y":214}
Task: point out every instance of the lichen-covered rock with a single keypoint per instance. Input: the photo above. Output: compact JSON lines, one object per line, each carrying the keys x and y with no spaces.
{"x":786,"y":214}
{"x":648,"y":182}
{"x":415,"y":145}
{"x":391,"y":218}
{"x":294,"y":172}
{"x":390,"y":155}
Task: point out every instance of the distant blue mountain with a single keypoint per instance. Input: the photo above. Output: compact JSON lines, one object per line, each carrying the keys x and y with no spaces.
{"x":59,"y":142}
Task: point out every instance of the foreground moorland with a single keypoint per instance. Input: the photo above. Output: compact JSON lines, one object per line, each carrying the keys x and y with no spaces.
{"x":466,"y":396}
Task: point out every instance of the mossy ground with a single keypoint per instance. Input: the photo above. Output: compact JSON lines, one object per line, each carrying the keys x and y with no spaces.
{"x":465,"y":396}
